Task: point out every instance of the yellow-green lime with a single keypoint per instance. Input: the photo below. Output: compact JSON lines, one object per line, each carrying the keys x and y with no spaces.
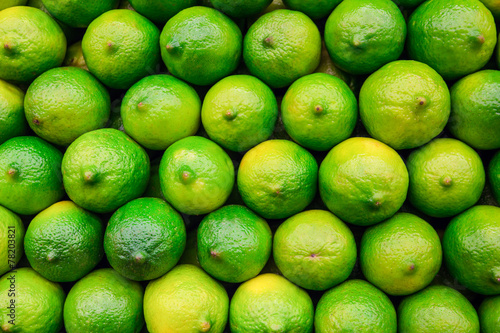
{"x":104,"y":169}
{"x":74,"y":56}
{"x":446,"y":177}
{"x":12,"y":3}
{"x":239,"y":112}
{"x":104,"y":301}
{"x":160,"y":11}
{"x":12,"y":120}
{"x":355,"y":306}
{"x":319,"y":111}
{"x":11,"y":240}
{"x":314,"y":249}
{"x":241,"y":8}
{"x":277,"y":178}
{"x":489,"y":315}
{"x":76,"y":13}
{"x":186,"y":299}
{"x":270,"y":303}
{"x":314,"y":9}
{"x":494,"y":175}
{"x":153,"y":189}
{"x":493,"y":6}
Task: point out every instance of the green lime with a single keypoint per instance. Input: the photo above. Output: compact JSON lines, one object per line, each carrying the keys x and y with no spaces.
{"x":277,"y":179}
{"x":446,"y":177}
{"x":493,"y":6}
{"x":437,"y":309}
{"x":489,"y":315}
{"x":405,"y":104}
{"x":201,"y":45}
{"x":104,"y":301}
{"x":11,"y":240}
{"x":239,"y":112}
{"x":12,"y":120}
{"x":234,"y":244}
{"x":475,"y":116}
{"x":314,"y":249}
{"x":363,"y":181}
{"x":74,"y":56}
{"x":455,"y":37}
{"x":12,"y":3}
{"x":154,"y":187}
{"x":29,"y":303}
{"x":355,"y":306}
{"x":363,"y":35}
{"x":104,"y":169}
{"x":319,"y":111}
{"x":314,"y":9}
{"x":196,"y":175}
{"x":241,"y":8}
{"x":121,"y":47}
{"x":494,"y":175}
{"x":31,"y":42}
{"x":190,"y":254}
{"x":76,"y":13}
{"x":270,"y":303}
{"x":30,"y":175}
{"x":159,"y":110}
{"x":186,"y":299}
{"x":282,"y":46}
{"x":160,"y":11}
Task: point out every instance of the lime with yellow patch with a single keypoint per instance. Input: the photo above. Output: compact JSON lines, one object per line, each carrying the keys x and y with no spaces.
{"x":12,"y":120}
{"x":494,"y":176}
{"x":74,"y":56}
{"x":160,"y":11}
{"x":78,"y":14}
{"x":489,"y":315}
{"x":11,"y":240}
{"x":241,"y":8}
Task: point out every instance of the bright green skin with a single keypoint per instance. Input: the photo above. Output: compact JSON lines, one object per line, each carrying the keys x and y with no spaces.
{"x":144,"y":239}
{"x":405,"y":104}
{"x":437,"y":309}
{"x":489,"y":315}
{"x":160,"y":11}
{"x":31,"y":43}
{"x":363,"y":181}
{"x":401,"y":255}
{"x":11,"y":240}
{"x":408,"y":3}
{"x":314,"y":9}
{"x":104,"y":169}
{"x":446,"y":177}
{"x":314,"y":249}
{"x":121,"y":47}
{"x":277,"y":179}
{"x":64,"y":103}
{"x":282,"y":46}
{"x":30,"y":175}
{"x":355,"y":306}
{"x":12,"y":119}
{"x":12,"y":3}
{"x":239,"y":112}
{"x":363,"y":35}
{"x":104,"y":301}
{"x":493,"y":6}
{"x":319,"y":111}
{"x":471,"y":248}
{"x":154,"y":187}
{"x":38,"y":303}
{"x":241,"y":8}
{"x":494,"y":175}
{"x":186,"y":299}
{"x":196,"y":175}
{"x":475,"y":101}
{"x":455,"y":37}
{"x":160,"y":110}
{"x":206,"y":56}
{"x":270,"y":303}
{"x":234,"y":244}
{"x":76,"y":13}
{"x":74,"y":56}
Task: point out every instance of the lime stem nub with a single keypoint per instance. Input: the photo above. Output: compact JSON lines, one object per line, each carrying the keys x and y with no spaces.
{"x":230,"y":115}
{"x":169,"y":47}
{"x":268,"y":41}
{"x":446,"y":181}
{"x":205,"y":326}
{"x":421,"y":101}
{"x":89,"y":176}
{"x":412,"y":267}
{"x":214,"y":253}
{"x":318,"y":109}
{"x":480,"y":38}
{"x":36,"y":121}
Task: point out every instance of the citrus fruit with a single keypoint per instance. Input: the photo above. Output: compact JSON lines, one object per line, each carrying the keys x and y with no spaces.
{"x":270,"y":303}
{"x":277,"y":178}
{"x":404,"y":104}
{"x":11,"y":240}
{"x":104,"y":301}
{"x":455,"y":37}
{"x":319,"y":111}
{"x":154,"y":187}
{"x":31,"y":43}
{"x":234,"y":244}
{"x":12,"y":120}
{"x":437,"y":309}
{"x":160,"y":11}
{"x":446,"y":177}
{"x":30,"y":170}
{"x":314,"y":9}
{"x":363,"y":181}
{"x":104,"y":169}
{"x":159,"y":110}
{"x":475,"y":116}
{"x":239,"y":112}
{"x":76,"y":13}
{"x":201,"y":45}
{"x":314,"y":249}
{"x":282,"y":46}
{"x":121,"y":47}
{"x":489,"y":315}
{"x":241,"y":8}
{"x":64,"y":103}
{"x":29,"y":303}
{"x":493,"y":6}
{"x":494,"y":176}
{"x":12,"y":3}
{"x":74,"y":56}
{"x":355,"y":306}
{"x":186,"y":299}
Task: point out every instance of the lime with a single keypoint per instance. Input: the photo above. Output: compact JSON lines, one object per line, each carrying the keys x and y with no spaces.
{"x":31,"y":43}
{"x":12,"y":120}
{"x":494,"y":175}
{"x":489,"y":315}
{"x":446,"y":177}
{"x":104,"y":169}
{"x":74,"y":56}
{"x":159,"y":110}
{"x":405,"y":104}
{"x":314,"y":249}
{"x":154,"y":187}
{"x":186,"y":299}
{"x":239,"y":112}
{"x":241,"y":8}
{"x":160,"y":11}
{"x":11,"y":240}
{"x":12,"y":3}
{"x":314,"y":9}
{"x":270,"y":303}
{"x":76,"y":13}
